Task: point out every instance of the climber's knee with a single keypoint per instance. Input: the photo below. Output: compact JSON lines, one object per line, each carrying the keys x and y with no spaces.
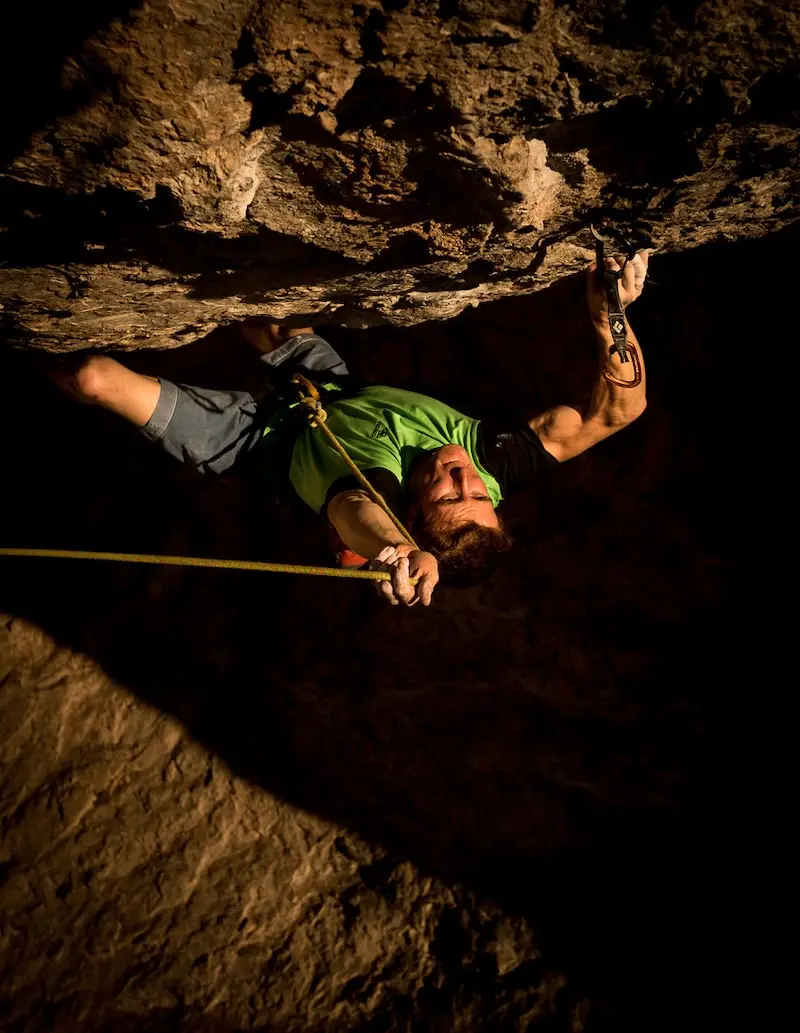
{"x":95,"y":379}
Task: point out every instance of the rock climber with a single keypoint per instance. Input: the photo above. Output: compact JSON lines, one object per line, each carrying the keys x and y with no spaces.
{"x":440,"y":470}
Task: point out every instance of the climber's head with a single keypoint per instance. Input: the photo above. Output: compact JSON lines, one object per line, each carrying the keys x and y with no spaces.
{"x":448,"y":491}
{"x":452,"y":516}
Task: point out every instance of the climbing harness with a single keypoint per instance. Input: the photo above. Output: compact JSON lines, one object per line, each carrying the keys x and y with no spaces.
{"x":617,"y":323}
{"x":309,"y":399}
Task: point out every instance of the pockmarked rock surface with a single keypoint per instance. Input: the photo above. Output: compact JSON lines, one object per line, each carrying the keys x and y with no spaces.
{"x":170,"y":166}
{"x":141,"y":878}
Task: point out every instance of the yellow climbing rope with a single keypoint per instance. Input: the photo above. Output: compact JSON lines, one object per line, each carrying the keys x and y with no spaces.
{"x":194,"y":561}
{"x":309,"y":397}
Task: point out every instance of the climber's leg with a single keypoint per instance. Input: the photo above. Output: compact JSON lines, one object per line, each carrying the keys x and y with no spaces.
{"x":309,"y":354}
{"x":294,"y":350}
{"x":101,"y":380}
{"x":205,"y":428}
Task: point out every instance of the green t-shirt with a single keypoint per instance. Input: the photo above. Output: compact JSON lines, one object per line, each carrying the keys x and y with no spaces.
{"x":381,"y":427}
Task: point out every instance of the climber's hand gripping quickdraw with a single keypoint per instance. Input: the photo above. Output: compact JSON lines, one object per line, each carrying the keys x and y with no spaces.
{"x":609,"y":280}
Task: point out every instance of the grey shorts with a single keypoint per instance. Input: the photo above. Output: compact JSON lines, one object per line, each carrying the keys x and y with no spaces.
{"x":211,"y":430}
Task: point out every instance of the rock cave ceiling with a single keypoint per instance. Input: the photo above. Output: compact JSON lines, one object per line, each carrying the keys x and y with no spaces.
{"x":171,"y":166}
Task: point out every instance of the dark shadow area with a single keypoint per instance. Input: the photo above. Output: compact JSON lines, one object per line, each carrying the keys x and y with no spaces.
{"x":632,"y":26}
{"x":664,"y":136}
{"x":33,"y":49}
{"x":379,"y":101}
{"x":577,"y":739}
{"x":44,"y":226}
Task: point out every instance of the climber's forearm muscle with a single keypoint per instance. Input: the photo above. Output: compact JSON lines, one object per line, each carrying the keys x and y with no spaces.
{"x":565,"y":432}
{"x":362,"y":524}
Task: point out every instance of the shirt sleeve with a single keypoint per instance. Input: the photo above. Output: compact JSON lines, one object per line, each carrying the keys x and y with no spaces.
{"x":384,"y":482}
{"x":515,"y":457}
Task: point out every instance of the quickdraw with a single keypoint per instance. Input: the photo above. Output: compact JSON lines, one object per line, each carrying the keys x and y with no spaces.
{"x":617,"y":323}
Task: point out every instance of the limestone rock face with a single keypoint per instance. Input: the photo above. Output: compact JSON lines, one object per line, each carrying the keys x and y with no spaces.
{"x":121,"y":868}
{"x":171,"y":166}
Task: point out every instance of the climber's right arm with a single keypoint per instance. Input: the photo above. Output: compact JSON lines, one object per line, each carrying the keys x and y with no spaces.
{"x":362,"y":524}
{"x":366,"y":529}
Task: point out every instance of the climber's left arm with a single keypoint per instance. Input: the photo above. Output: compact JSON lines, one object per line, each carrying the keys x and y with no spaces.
{"x":564,"y":431}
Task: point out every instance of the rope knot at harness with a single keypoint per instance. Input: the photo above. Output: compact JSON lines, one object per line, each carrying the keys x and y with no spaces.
{"x":315,"y":411}
{"x":309,"y":397}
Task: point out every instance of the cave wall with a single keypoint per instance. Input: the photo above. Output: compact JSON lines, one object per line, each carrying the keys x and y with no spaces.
{"x":170,"y":166}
